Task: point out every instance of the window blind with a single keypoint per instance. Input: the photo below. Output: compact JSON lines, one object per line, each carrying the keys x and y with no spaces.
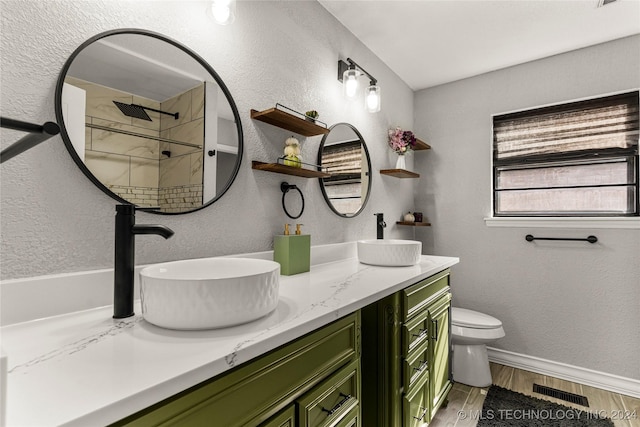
{"x":599,"y":124}
{"x":574,"y":159}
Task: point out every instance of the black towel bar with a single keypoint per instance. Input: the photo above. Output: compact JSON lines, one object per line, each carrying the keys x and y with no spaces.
{"x":590,"y":239}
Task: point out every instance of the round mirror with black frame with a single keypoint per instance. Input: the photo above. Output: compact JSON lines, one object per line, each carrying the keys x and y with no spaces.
{"x":344,"y":154}
{"x":149,"y":121}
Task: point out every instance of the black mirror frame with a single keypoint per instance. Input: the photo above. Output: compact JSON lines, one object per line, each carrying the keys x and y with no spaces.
{"x":198,"y":58}
{"x":319,"y":162}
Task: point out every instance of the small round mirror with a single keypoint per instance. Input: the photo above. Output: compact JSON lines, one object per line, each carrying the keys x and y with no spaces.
{"x":148,"y":121}
{"x":343,"y":154}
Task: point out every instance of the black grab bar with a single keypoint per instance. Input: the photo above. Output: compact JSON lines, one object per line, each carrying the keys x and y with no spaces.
{"x":590,"y":239}
{"x":37,"y":134}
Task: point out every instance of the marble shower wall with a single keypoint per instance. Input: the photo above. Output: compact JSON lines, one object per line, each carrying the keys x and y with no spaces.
{"x":180,"y":181}
{"x":127,"y":165}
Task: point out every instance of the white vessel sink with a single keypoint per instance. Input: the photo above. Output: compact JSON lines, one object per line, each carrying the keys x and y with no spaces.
{"x":209,"y":293}
{"x":389,"y":252}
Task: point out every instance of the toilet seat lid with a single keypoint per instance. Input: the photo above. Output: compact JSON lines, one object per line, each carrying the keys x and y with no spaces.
{"x":473,"y":319}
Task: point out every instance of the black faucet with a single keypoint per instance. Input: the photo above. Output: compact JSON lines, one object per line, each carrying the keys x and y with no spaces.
{"x":126,"y":229}
{"x":380,"y":225}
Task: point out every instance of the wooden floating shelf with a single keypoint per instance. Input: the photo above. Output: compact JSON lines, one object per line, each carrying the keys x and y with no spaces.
{"x":288,"y":121}
{"x":414,"y":224}
{"x":287,"y":170}
{"x":399,"y":173}
{"x":421,"y":145}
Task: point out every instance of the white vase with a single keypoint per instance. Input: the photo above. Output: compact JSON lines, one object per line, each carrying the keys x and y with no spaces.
{"x":401,"y":163}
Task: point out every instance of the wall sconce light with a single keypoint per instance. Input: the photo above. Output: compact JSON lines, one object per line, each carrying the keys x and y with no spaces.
{"x":223,"y":11}
{"x":372,"y":98}
{"x":348,"y":73}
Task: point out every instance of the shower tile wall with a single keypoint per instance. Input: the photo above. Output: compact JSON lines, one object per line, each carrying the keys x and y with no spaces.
{"x":134,"y":167}
{"x":127,"y":165}
{"x":180,"y":180}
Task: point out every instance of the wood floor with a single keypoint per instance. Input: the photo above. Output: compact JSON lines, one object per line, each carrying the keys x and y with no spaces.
{"x":469,"y":400}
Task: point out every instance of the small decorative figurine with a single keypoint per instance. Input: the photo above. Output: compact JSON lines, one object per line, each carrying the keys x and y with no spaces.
{"x":292,"y":155}
{"x":408,"y":217}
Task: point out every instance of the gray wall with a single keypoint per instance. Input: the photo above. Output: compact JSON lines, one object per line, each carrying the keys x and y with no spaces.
{"x":574,"y":303}
{"x":55,"y":221}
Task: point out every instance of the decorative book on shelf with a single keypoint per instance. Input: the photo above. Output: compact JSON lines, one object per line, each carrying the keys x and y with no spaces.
{"x":289,"y":119}
{"x":414,"y":224}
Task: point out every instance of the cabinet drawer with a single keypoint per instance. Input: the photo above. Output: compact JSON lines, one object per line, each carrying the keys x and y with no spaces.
{"x":415,"y":404}
{"x":352,"y":419}
{"x":415,"y":365}
{"x":420,"y":295}
{"x":252,"y":393}
{"x":286,"y":418}
{"x":332,"y":399}
{"x":415,"y":332}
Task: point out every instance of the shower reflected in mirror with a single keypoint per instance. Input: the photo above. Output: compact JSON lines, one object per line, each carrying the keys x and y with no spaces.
{"x":149,"y":121}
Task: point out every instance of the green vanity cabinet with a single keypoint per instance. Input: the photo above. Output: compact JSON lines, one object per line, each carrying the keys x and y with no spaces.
{"x":286,"y":418}
{"x":288,"y":387}
{"x":352,"y":419}
{"x":440,"y":363}
{"x":406,"y":349}
{"x":415,"y":404}
{"x":332,"y":400}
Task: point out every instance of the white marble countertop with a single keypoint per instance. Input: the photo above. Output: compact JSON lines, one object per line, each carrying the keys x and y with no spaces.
{"x":85,"y":368}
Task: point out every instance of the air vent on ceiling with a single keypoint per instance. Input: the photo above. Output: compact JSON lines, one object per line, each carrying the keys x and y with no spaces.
{"x":605,"y":2}
{"x":562,"y":395}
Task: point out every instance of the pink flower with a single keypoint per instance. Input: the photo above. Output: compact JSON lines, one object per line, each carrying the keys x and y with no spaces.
{"x":401,"y":141}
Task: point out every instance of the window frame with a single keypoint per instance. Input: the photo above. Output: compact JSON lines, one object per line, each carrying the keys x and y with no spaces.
{"x":630,"y":155}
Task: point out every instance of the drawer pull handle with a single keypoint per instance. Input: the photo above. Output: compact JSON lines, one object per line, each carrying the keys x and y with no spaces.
{"x":435,"y":329}
{"x":423,"y":365}
{"x":345,"y":399}
{"x":421,"y":417}
{"x":420,"y":334}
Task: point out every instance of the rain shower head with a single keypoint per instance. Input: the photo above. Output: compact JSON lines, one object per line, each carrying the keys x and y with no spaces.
{"x":132,"y":110}
{"x":138,"y":111}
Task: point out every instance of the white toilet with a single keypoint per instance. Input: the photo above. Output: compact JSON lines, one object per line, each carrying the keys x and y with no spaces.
{"x":470,"y":332}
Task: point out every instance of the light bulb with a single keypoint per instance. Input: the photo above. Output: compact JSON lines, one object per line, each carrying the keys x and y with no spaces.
{"x":350,"y":83}
{"x":372,"y":99}
{"x":223,"y":11}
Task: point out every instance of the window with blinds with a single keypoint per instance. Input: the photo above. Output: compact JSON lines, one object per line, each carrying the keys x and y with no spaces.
{"x":574,"y":159}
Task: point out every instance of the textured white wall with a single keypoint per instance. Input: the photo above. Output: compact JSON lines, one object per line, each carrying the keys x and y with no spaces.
{"x":53,"y":218}
{"x":569,"y":302}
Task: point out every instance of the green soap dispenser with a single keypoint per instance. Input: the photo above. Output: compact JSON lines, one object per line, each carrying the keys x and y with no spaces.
{"x":293,"y":253}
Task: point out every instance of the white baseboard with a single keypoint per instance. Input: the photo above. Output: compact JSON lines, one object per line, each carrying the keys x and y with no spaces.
{"x":602,"y":380}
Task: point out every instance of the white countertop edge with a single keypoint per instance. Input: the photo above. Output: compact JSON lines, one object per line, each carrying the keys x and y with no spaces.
{"x":105,"y":413}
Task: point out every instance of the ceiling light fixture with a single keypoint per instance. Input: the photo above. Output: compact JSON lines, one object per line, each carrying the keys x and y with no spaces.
{"x":223,"y":11}
{"x":348,"y":73}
